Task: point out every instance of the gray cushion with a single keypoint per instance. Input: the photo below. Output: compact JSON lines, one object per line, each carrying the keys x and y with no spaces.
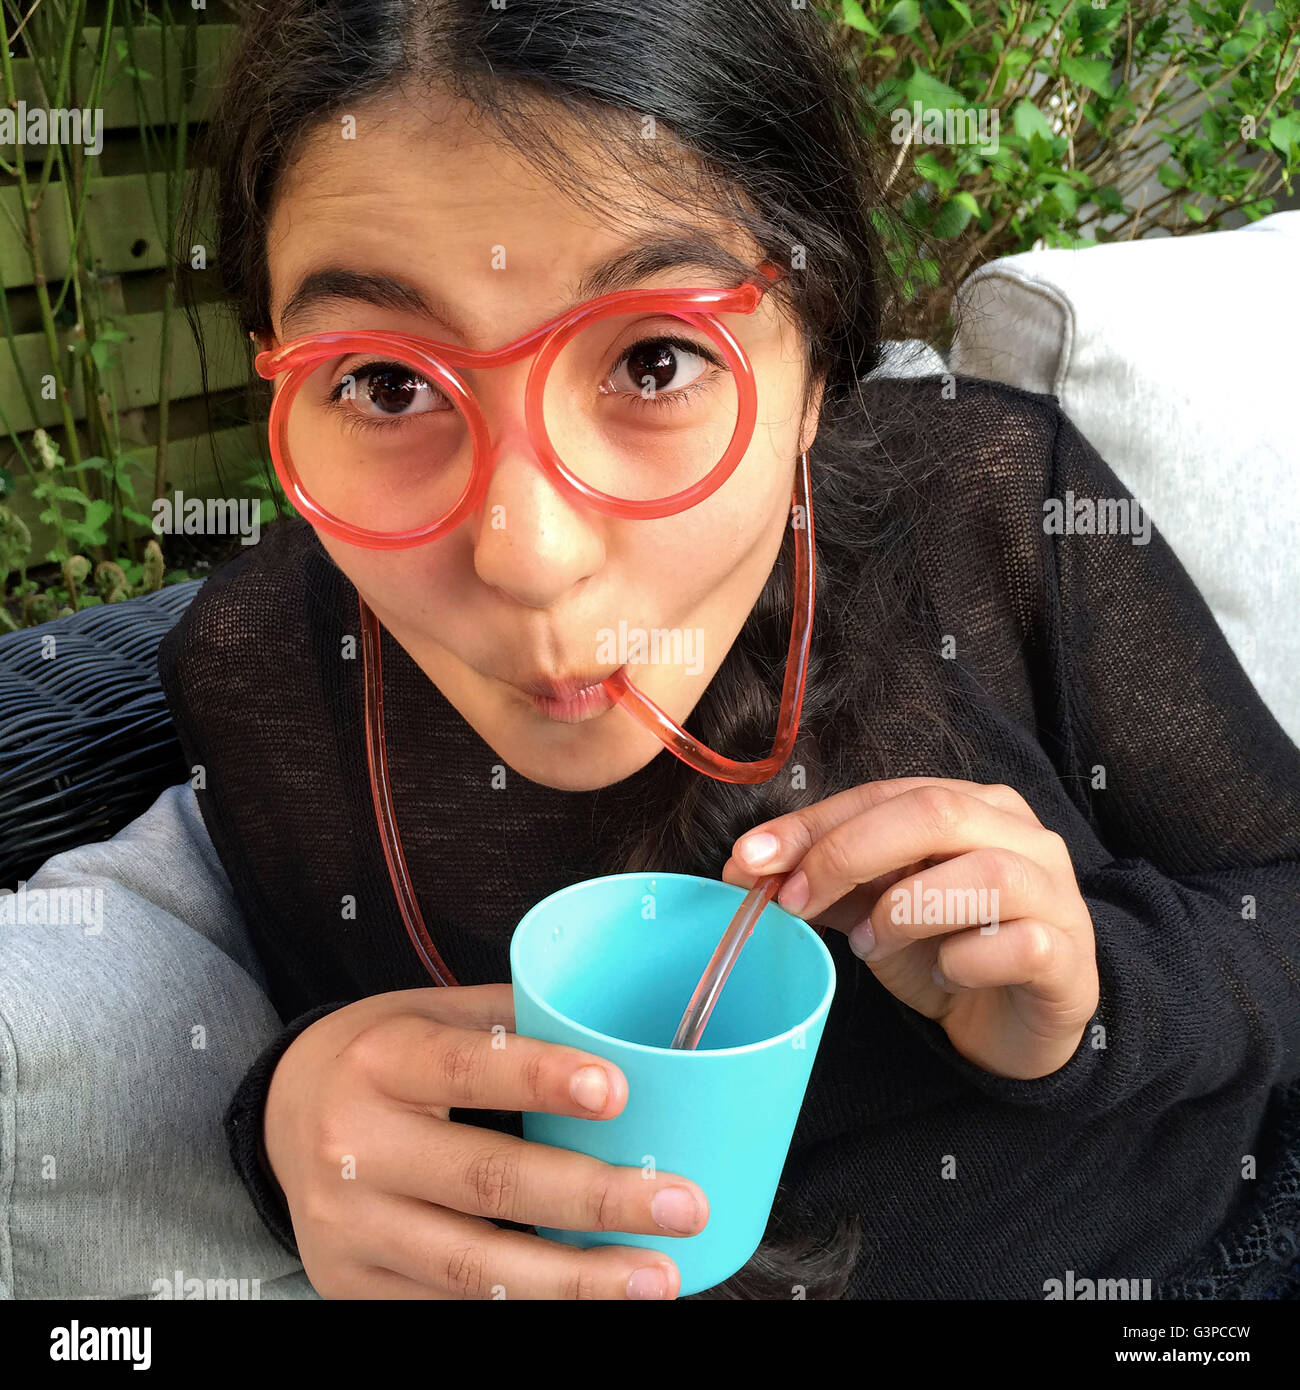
{"x":908,"y":357}
{"x":114,"y":1171}
{"x":1177,"y":357}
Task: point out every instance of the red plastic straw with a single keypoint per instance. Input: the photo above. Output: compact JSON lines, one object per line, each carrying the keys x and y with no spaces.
{"x":724,"y":958}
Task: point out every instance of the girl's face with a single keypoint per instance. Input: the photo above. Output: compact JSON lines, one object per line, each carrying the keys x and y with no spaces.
{"x":474,"y":248}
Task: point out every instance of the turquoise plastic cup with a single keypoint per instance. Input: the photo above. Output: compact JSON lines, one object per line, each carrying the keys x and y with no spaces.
{"x":609,"y":965}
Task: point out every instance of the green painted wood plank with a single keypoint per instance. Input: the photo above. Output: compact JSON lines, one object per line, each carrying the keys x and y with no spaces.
{"x":122,"y":233}
{"x":190,"y":467}
{"x":118,"y":98}
{"x":136,"y":378}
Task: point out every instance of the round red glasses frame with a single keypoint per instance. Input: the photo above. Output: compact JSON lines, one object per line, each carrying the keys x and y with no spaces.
{"x":296,"y":360}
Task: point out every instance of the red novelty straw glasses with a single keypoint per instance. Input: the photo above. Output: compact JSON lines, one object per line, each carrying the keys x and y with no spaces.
{"x":401,"y":432}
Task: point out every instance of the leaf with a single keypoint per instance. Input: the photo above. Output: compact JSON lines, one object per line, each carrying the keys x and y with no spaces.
{"x":1029,"y":120}
{"x":1067,"y":198}
{"x":1193,"y":212}
{"x":1093,"y":73}
{"x":6,"y":482}
{"x":1283,"y":132}
{"x":1169,"y":176}
{"x":929,"y":167}
{"x":930,"y":92}
{"x":855,"y":17}
{"x":71,"y":494}
{"x":952,"y":219}
{"x":85,"y":535}
{"x":97,"y":512}
{"x":967,"y":200}
{"x":138,"y":518}
{"x":963,"y":10}
{"x":95,"y":464}
{"x":903,"y":18}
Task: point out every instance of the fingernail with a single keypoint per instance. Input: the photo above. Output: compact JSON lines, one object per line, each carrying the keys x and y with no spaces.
{"x":757,"y":849}
{"x":648,"y":1283}
{"x":794,"y":892}
{"x":676,"y":1209}
{"x":862,"y":940}
{"x":590,"y":1087}
{"x":941,"y":979}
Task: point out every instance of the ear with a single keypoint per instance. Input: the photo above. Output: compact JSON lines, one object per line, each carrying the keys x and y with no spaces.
{"x":812,"y":414}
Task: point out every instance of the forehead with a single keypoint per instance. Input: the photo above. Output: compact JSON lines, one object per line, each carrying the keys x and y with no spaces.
{"x":428,"y":194}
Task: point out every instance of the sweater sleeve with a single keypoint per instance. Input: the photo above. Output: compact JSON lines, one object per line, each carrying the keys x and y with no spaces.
{"x":1193,"y":788}
{"x":243,"y":1125}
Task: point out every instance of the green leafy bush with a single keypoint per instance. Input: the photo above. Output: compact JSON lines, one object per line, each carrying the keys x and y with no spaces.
{"x":1096,"y":102}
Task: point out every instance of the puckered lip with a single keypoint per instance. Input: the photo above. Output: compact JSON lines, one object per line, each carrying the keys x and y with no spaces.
{"x":562,"y":687}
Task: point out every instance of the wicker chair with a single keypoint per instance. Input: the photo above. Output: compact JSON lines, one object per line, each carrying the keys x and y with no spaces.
{"x":87,"y":742}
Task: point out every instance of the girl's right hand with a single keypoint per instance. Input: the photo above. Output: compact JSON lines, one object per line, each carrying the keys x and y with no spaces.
{"x":391,"y":1199}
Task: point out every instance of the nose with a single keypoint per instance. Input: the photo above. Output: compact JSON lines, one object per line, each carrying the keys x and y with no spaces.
{"x":534,"y":542}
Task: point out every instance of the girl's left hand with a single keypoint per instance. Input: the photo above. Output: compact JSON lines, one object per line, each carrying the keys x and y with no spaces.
{"x":1013,"y":997}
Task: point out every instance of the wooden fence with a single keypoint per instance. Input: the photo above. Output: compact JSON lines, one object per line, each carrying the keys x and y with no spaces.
{"x":129,"y":261}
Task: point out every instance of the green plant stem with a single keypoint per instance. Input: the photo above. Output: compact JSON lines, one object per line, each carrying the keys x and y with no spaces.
{"x":1010,"y":43}
{"x":76,"y":233}
{"x":174,"y":188}
{"x":72,"y":32}
{"x":41,"y":286}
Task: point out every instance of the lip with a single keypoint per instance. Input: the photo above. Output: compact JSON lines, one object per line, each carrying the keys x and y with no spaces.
{"x":569,"y":699}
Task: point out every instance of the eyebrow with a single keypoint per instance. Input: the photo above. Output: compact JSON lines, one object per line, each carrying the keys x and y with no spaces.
{"x":627,"y":268}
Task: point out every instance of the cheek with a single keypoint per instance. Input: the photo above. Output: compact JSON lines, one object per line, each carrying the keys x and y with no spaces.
{"x":404,"y":584}
{"x":779,"y":372}
{"x":726,"y":543}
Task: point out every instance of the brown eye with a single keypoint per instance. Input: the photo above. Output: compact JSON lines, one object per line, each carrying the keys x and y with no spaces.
{"x":388,"y":390}
{"x":655,"y":365}
{"x":394,"y":392}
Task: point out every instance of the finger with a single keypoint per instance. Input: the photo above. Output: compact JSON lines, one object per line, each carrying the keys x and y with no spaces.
{"x":503,"y":1178}
{"x":927,"y":822}
{"x":853,"y":908}
{"x":464,"y":1257}
{"x":371,"y":1282}
{"x":1052,"y":987}
{"x":981,"y":888}
{"x":1025,"y":951}
{"x":796,"y":832}
{"x":466,"y":1006}
{"x":423,"y":1062}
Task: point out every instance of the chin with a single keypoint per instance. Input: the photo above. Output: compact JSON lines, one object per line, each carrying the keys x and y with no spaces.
{"x":581,"y":759}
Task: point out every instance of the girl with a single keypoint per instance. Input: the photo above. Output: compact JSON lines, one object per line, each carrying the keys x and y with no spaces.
{"x":413,"y":724}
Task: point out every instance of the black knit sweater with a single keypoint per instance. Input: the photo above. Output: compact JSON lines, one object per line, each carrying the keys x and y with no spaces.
{"x":1083,"y":670}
